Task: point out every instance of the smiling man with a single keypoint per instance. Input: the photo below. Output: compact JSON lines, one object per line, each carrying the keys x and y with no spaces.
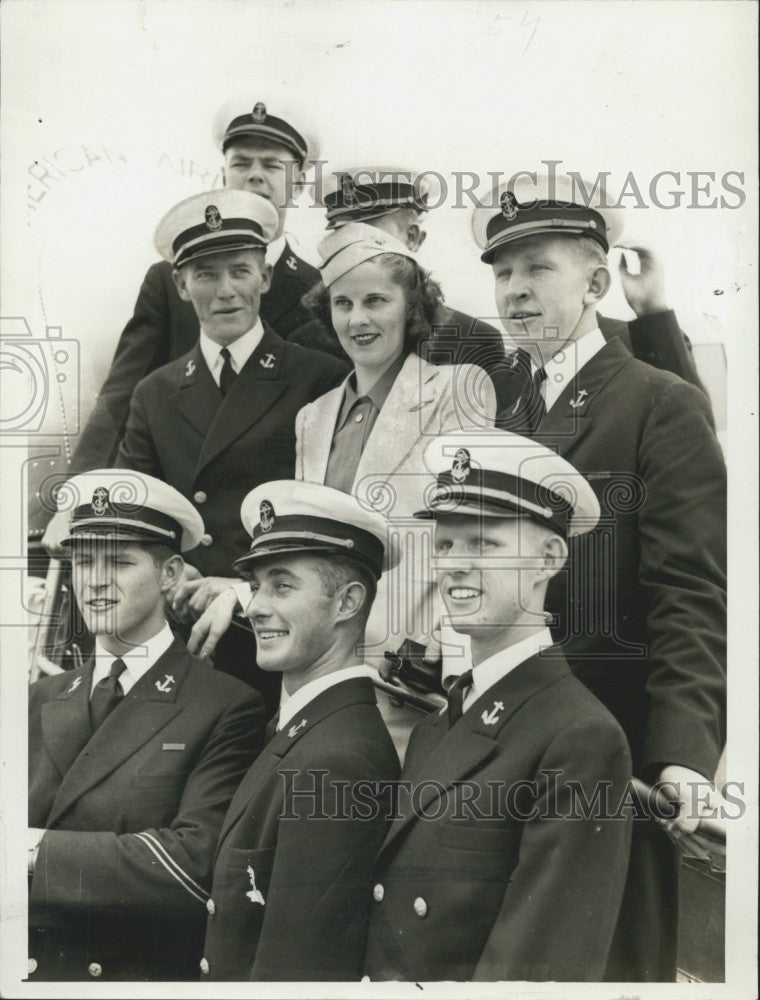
{"x":133,"y":758}
{"x":495,"y":869}
{"x":221,"y":419}
{"x":292,"y":875}
{"x":642,"y":620}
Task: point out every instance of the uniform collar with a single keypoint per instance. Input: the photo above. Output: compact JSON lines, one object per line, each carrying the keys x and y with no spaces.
{"x":564,"y":365}
{"x":492,"y":670}
{"x":240,"y":349}
{"x":298,"y":701}
{"x":138,"y":661}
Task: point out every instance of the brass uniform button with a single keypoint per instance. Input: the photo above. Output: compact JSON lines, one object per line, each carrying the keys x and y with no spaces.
{"x":378,"y":892}
{"x":200,"y":497}
{"x":420,"y":907}
{"x":95,"y":969}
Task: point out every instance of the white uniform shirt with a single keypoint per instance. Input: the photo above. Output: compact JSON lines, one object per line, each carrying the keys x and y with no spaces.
{"x":138,"y":661}
{"x":240,"y":350}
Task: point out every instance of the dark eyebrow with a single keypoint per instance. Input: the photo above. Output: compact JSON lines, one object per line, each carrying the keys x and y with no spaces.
{"x":280,"y":571}
{"x":270,"y":572}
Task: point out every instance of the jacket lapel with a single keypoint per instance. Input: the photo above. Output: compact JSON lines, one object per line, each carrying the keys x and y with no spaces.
{"x":407,"y":411}
{"x":568,"y":421}
{"x":198,"y":396}
{"x":143,"y":712}
{"x":474,"y":739}
{"x":511,"y":378}
{"x":450,"y":758}
{"x":319,"y":423}
{"x":254,"y":392}
{"x":286,"y":278}
{"x":357,"y":691}
{"x":65,"y":722}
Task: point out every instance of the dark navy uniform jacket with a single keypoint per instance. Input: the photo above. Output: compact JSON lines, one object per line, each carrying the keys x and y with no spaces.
{"x":133,"y":813}
{"x":640,"y":612}
{"x":293,"y":872}
{"x":492,"y":871}
{"x":165,"y":327}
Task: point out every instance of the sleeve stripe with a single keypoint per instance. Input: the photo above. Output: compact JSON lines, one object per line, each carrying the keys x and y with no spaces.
{"x":170,"y":860}
{"x":174,"y":874}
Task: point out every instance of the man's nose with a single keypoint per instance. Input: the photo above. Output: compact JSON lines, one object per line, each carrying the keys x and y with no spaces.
{"x":517,"y":287}
{"x":99,"y":575}
{"x":224,"y":286}
{"x":257,"y":607}
{"x":457,"y":561}
{"x":255,"y":171}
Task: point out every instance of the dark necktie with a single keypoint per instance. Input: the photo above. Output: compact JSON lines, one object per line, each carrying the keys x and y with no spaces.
{"x":455,"y":696}
{"x":107,"y":694}
{"x":228,"y":374}
{"x":536,"y":410}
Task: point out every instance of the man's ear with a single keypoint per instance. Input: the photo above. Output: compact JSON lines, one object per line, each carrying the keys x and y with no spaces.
{"x":171,"y":571}
{"x":179,"y":280}
{"x":351,"y":599}
{"x":553,"y":556}
{"x":415,"y":236}
{"x":266,"y":275}
{"x":598,"y":285}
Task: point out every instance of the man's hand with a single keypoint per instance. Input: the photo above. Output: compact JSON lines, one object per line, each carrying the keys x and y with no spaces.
{"x":193,"y":593}
{"x":644,"y":292}
{"x":213,"y":623}
{"x":176,"y":597}
{"x":696,"y":797}
{"x":57,"y":529}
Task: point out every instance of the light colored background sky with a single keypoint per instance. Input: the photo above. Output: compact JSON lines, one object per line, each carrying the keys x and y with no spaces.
{"x":623,"y":86}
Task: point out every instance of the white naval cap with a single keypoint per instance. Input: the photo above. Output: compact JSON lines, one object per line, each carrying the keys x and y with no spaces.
{"x":350,"y":245}
{"x":220,"y":221}
{"x":533,"y":204}
{"x":260,"y":117}
{"x":358,"y":194}
{"x":494,"y":473}
{"x":126,"y":506}
{"x":286,"y":516}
